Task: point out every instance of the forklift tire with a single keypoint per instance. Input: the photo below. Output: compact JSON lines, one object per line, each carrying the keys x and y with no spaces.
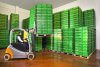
{"x":7,"y":57}
{"x":30,"y":56}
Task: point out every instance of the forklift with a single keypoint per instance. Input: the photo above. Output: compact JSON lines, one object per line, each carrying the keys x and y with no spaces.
{"x":18,"y":50}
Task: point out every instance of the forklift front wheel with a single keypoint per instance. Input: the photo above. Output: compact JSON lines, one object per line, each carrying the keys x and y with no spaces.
{"x":6,"y":57}
{"x":31,"y":56}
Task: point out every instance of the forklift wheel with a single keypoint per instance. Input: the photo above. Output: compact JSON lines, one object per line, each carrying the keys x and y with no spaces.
{"x":31,"y":56}
{"x":7,"y":57}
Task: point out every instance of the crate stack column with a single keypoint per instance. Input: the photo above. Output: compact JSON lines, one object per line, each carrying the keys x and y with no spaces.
{"x":58,"y":40}
{"x":49,"y":42}
{"x":4,"y":32}
{"x":32,"y":19}
{"x":14,"y":21}
{"x":89,"y":21}
{"x":76,"y":22}
{"x":44,"y":19}
{"x":76,"y":17}
{"x":64,"y":27}
{"x":26,"y":24}
{"x":38,"y":44}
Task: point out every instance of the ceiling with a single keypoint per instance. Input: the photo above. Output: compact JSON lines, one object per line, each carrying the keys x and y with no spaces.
{"x":27,"y":4}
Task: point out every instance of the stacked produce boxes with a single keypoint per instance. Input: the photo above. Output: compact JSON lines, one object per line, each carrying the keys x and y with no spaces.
{"x":58,"y":40}
{"x":64,"y":19}
{"x":44,"y":19}
{"x":26,"y":23}
{"x":38,"y":43}
{"x":4,"y":32}
{"x":68,"y":40}
{"x":78,"y":41}
{"x":49,"y":42}
{"x":83,"y":41}
{"x":32,"y":19}
{"x":57,"y":20}
{"x":89,"y":18}
{"x":3,"y":21}
{"x":57,"y":32}
{"x":76,"y":17}
{"x":14,"y":21}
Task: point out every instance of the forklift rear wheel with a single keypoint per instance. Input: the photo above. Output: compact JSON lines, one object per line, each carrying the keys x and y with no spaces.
{"x":31,"y":56}
{"x":6,"y":57}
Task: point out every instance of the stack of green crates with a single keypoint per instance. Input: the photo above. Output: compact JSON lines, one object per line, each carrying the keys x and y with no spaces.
{"x":49,"y":42}
{"x":58,"y":40}
{"x":38,"y":43}
{"x":89,"y":18}
{"x":57,"y":20}
{"x":4,"y":38}
{"x":14,"y":21}
{"x":3,"y":21}
{"x":65,"y":19}
{"x":83,"y":41}
{"x":4,"y":32}
{"x":78,"y":41}
{"x":68,"y":40}
{"x":76,"y":17}
{"x":44,"y":19}
{"x":25,"y":23}
{"x":32,"y":19}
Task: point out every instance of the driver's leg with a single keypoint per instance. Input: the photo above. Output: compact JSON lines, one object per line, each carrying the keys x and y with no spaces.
{"x":26,"y":45}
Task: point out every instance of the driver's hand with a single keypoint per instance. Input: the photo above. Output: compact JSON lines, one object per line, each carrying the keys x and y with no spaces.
{"x":25,"y":39}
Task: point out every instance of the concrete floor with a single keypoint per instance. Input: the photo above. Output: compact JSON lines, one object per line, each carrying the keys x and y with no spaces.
{"x":52,"y":59}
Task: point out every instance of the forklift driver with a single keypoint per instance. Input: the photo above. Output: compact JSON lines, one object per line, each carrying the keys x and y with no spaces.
{"x":20,"y":40}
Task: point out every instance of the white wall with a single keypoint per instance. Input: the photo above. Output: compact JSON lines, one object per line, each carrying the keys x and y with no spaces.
{"x":8,"y":9}
{"x":85,"y":5}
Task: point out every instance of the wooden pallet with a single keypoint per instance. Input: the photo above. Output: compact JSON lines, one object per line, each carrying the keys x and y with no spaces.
{"x":83,"y":56}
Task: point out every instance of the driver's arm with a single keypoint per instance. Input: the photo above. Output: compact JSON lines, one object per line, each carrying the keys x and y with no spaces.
{"x":20,"y":39}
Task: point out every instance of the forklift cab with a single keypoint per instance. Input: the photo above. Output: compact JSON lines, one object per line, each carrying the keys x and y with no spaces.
{"x":22,"y":46}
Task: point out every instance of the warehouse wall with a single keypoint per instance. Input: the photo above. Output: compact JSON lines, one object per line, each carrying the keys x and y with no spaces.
{"x":86,"y":4}
{"x":8,"y":9}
